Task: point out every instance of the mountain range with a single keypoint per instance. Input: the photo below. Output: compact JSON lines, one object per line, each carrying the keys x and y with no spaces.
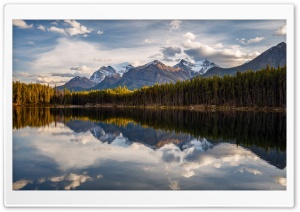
{"x":125,"y":74}
{"x":110,"y":133}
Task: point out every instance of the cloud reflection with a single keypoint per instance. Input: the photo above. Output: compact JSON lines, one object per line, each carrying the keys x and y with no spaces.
{"x":76,"y":180}
{"x":249,"y":170}
{"x":174,"y":185}
{"x":280,"y":180}
{"x":20,"y":184}
{"x":197,"y":159}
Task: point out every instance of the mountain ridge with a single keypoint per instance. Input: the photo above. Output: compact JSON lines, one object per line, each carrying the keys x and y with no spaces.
{"x":150,"y":74}
{"x":274,"y":56}
{"x":157,"y":72}
{"x":77,"y":84}
{"x":197,"y":68}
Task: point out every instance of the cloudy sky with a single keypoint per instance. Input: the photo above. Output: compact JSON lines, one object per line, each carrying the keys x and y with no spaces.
{"x":54,"y":51}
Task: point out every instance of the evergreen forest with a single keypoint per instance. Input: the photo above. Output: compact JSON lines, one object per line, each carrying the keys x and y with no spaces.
{"x":264,"y":88}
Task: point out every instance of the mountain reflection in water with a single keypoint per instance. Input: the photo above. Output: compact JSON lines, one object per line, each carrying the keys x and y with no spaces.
{"x":139,"y":149}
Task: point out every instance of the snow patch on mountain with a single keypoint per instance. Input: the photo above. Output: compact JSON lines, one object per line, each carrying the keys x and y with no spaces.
{"x":120,"y":141}
{"x":99,"y":75}
{"x":203,"y":66}
{"x":122,"y":68}
{"x":200,"y":145}
{"x":200,"y":67}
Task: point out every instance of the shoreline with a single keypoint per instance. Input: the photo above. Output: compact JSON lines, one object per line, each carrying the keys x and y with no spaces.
{"x":211,"y":108}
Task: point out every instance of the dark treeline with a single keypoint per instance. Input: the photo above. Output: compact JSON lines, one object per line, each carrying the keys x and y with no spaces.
{"x":264,"y":88}
{"x":266,"y":130}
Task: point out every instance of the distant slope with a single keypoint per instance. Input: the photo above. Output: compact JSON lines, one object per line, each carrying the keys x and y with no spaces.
{"x":108,"y":82}
{"x":273,"y":57}
{"x":77,"y":84}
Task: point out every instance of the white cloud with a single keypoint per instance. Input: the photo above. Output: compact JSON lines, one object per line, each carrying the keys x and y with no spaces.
{"x":84,"y":69}
{"x":149,"y":40}
{"x":189,"y":36}
{"x":57,"y":179}
{"x":174,"y":185}
{"x":280,"y":180}
{"x":22,"y":24}
{"x":76,"y":28}
{"x":249,"y":41}
{"x":20,"y":184}
{"x":175,"y":25}
{"x":57,"y":30}
{"x":226,"y":57}
{"x":218,"y":45}
{"x":31,"y":43}
{"x":249,"y":170}
{"x":135,"y":63}
{"x":101,"y":59}
{"x":255,"y":40}
{"x":22,"y":74}
{"x":48,"y":79}
{"x":75,"y":179}
{"x":235,"y":46}
{"x":281,"y":31}
{"x":41,"y":27}
{"x":100,"y":32}
{"x":54,"y":23}
{"x":242,"y":40}
{"x":69,"y":52}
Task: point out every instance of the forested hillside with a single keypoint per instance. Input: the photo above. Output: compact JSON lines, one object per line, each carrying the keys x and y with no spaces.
{"x":264,"y":88}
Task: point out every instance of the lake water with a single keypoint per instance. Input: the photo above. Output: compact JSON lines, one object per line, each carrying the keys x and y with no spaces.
{"x":137,"y":149}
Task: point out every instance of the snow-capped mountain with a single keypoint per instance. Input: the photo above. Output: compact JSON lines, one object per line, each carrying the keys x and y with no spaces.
{"x":203,"y":66}
{"x":99,"y":75}
{"x":150,"y":74}
{"x":199,"y":67}
{"x":157,"y":64}
{"x":111,"y":70}
{"x":122,"y":68}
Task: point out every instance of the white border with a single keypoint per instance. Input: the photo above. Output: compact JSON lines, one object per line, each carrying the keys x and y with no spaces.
{"x":147,"y":198}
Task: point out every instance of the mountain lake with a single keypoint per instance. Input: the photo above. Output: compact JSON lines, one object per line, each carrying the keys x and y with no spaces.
{"x":147,"y":149}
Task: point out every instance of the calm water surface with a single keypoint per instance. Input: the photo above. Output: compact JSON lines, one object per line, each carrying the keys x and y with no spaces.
{"x":136,"y":149}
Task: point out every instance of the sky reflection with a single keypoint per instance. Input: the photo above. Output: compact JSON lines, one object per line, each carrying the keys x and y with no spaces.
{"x":100,"y":156}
